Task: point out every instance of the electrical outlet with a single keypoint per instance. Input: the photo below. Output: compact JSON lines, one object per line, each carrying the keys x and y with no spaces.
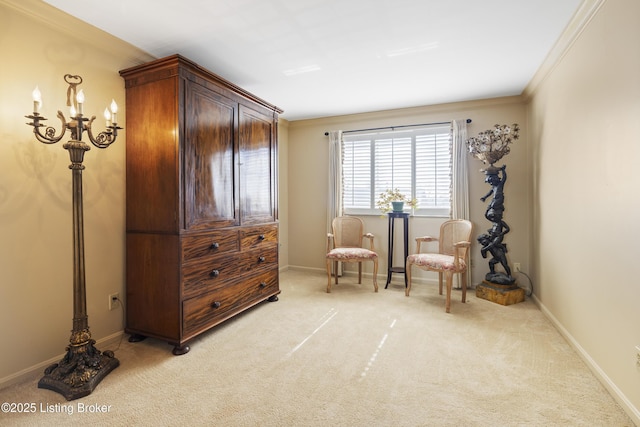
{"x":114,"y":299}
{"x":516,"y":266}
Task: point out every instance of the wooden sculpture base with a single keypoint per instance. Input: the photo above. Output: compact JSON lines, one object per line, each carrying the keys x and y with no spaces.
{"x":500,"y":294}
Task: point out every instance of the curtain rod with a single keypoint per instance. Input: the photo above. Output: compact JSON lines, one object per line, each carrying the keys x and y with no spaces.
{"x":396,"y":127}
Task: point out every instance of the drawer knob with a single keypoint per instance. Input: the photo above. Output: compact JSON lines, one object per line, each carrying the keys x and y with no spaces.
{"x":263,"y":285}
{"x":214,"y":273}
{"x":261,"y":237}
{"x":261,"y":259}
{"x":215,"y":304}
{"x":214,"y":245}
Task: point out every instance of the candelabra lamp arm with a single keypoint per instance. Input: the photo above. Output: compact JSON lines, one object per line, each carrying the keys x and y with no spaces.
{"x":49,"y":135}
{"x":104,"y":138}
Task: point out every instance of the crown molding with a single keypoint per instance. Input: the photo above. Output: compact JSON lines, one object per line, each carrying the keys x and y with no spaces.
{"x":436,"y":112}
{"x":64,"y":23}
{"x":581,"y":18}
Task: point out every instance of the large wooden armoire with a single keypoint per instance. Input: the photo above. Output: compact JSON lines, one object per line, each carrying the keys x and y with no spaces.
{"x":201,"y":197}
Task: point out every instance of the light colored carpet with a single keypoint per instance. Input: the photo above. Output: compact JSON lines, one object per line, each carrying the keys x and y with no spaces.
{"x":349,"y":358}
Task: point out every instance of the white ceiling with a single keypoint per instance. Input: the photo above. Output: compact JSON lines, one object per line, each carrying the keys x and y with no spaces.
{"x":316,"y":58}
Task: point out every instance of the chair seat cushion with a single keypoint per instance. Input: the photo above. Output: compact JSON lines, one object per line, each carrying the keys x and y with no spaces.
{"x":350,"y":254}
{"x":436,"y":262}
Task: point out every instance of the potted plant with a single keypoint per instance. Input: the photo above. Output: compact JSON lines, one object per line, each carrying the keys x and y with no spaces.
{"x":394,"y":200}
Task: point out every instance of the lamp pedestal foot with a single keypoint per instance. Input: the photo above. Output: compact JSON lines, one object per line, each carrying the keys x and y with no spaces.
{"x":80,"y":370}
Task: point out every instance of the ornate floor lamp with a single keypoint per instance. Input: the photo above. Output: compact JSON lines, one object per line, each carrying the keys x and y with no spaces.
{"x":83,"y":366}
{"x":490,"y":146}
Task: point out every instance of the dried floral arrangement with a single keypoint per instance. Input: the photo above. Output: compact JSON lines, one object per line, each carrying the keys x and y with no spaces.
{"x":493,"y":144}
{"x":385,"y":199}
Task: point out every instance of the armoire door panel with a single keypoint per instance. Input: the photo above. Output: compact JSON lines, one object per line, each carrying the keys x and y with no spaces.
{"x":257,"y":166}
{"x":210,"y":194}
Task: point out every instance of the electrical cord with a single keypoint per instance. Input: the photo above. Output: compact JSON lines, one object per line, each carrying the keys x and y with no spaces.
{"x":529,"y":291}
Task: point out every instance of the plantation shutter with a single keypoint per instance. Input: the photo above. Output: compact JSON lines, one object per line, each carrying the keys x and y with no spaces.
{"x":356,"y":174}
{"x":433,"y":171}
{"x":416,"y":161}
{"x":393,"y":160}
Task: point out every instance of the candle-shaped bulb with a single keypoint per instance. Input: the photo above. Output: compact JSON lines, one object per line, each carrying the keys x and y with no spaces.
{"x":72,"y":110}
{"x":114,"y":110}
{"x":80,"y":99}
{"x":107,"y":116}
{"x":37,"y":99}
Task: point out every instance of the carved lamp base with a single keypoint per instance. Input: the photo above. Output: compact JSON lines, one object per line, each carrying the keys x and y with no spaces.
{"x":80,"y":370}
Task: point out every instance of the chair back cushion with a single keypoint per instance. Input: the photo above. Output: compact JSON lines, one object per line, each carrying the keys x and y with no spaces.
{"x":454,"y":231}
{"x":347,"y":232}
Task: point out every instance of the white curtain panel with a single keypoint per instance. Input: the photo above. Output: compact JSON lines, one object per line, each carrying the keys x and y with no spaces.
{"x":460,"y":194}
{"x":460,"y":170}
{"x":334,"y":202}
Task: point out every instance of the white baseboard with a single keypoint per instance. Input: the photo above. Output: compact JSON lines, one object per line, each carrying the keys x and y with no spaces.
{"x":300,"y":268}
{"x":617,"y":394}
{"x":35,"y":371}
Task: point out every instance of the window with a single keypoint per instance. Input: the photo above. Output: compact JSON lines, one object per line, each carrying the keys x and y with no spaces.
{"x":416,"y":160}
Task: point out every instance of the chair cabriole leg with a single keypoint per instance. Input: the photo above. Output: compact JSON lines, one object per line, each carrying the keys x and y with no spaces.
{"x":375,"y":274}
{"x":464,"y":286}
{"x":449,"y":276}
{"x":408,"y":273}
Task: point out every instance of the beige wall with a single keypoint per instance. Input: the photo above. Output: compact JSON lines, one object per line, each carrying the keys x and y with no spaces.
{"x":36,"y":252}
{"x":585,"y":153}
{"x":283,"y":192}
{"x":308,"y":183}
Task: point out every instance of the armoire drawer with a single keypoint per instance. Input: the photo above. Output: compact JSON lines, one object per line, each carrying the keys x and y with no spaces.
{"x":216,"y":306}
{"x":201,"y":245}
{"x":255,"y":237}
{"x":205,"y":275}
